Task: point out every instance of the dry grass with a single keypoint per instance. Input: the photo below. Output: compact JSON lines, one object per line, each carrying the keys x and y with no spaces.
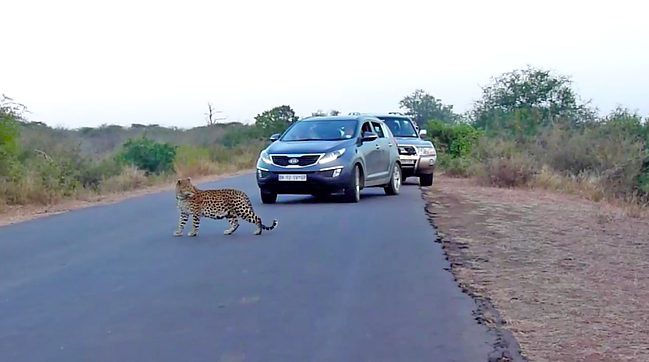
{"x":197,"y":168}
{"x":41,"y":193}
{"x":33,"y":189}
{"x":568,"y":275}
{"x":585,"y":185}
{"x":129,"y":179}
{"x":11,"y":214}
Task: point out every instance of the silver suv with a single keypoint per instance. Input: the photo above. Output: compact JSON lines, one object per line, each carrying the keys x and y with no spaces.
{"x":418,"y":156}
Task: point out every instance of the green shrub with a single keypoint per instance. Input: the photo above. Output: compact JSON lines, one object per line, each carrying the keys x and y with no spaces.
{"x":148,"y":155}
{"x":9,"y":136}
{"x":456,"y":140}
{"x":643,"y":182}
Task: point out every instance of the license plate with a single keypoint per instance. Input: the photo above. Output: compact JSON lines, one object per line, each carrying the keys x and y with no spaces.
{"x":292,"y":177}
{"x":408,"y":162}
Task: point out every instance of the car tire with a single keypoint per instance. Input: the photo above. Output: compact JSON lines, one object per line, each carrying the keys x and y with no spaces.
{"x":394,"y":186}
{"x":353,"y":189}
{"x":268,"y":197}
{"x":426,"y":180}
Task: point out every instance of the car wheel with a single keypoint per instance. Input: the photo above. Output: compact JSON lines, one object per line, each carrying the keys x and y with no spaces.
{"x":426,"y":180}
{"x":353,"y":190}
{"x":394,"y":185}
{"x":268,"y":197}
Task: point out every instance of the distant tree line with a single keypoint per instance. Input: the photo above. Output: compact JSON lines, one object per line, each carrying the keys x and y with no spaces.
{"x":528,"y":127}
{"x":531,"y":127}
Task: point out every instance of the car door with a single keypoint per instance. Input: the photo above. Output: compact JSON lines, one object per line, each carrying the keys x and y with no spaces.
{"x":384,"y":144}
{"x":371,"y":153}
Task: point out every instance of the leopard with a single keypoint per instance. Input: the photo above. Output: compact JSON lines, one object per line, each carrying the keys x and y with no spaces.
{"x":217,"y":204}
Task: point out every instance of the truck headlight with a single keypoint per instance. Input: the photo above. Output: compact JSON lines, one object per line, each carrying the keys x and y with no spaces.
{"x":427,"y":151}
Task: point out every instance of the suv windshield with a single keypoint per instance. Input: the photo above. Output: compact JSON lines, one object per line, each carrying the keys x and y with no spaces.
{"x":400,"y":127}
{"x":325,"y":130}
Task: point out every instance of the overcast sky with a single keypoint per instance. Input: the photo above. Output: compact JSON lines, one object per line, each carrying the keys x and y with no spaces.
{"x":84,"y":63}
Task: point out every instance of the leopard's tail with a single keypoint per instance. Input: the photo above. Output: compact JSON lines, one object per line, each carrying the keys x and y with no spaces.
{"x":268,"y":227}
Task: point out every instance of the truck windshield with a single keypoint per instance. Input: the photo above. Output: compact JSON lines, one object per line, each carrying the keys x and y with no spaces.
{"x":400,"y":127}
{"x":325,"y":130}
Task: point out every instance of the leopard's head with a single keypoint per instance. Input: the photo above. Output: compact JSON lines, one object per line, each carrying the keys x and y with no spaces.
{"x":184,"y":188}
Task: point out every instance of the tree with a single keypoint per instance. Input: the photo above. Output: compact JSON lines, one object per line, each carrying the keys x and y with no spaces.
{"x":334,"y":112}
{"x":10,"y":115}
{"x":525,"y":99}
{"x":148,"y":155}
{"x":275,"y":120}
{"x":423,"y":107}
{"x":211,"y":117}
{"x":456,"y":140}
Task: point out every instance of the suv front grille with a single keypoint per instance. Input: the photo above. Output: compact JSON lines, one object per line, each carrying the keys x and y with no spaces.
{"x":305,"y":160}
{"x":407,"y":150}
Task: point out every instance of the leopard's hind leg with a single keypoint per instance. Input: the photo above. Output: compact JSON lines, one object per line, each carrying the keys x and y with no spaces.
{"x":234,"y":224}
{"x":254,"y":219}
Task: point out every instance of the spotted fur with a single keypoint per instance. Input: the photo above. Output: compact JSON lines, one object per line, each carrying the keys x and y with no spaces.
{"x":214,"y":204}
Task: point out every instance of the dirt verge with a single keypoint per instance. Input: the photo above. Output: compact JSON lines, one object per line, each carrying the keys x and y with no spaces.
{"x":565,"y":276}
{"x":21,"y":213}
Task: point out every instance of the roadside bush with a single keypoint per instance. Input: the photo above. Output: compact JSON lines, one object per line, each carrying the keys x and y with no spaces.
{"x":455,"y":166}
{"x":93,"y":173}
{"x":456,"y":140}
{"x":148,"y":155}
{"x":643,"y":181}
{"x":606,"y":151}
{"x":9,"y":136}
{"x":513,"y":171}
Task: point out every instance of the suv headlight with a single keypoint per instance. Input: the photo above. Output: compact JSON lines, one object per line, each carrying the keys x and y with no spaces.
{"x":427,"y":151}
{"x":265,"y":157}
{"x":331,"y":156}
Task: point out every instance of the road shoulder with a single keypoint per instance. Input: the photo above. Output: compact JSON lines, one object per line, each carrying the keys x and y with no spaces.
{"x":562,"y":275}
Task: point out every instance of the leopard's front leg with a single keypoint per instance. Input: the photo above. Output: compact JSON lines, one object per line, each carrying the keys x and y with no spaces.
{"x":182,"y":220}
{"x":196,"y":221}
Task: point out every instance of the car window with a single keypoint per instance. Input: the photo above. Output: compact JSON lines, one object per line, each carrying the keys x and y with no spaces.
{"x":386,"y":130}
{"x":326,"y":130}
{"x":378,"y":130}
{"x":366,"y":127}
{"x":400,"y":127}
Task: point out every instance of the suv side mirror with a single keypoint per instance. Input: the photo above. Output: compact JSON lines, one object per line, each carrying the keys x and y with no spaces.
{"x":422,"y":132}
{"x":369,"y":136}
{"x":274,"y":137}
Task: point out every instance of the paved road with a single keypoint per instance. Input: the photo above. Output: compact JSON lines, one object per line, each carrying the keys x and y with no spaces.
{"x":333,"y":282}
